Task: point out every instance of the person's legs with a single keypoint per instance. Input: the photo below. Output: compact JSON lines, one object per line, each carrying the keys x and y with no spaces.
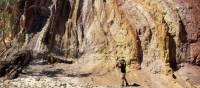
{"x":122,"y":79}
{"x":126,"y":81}
{"x":122,"y":84}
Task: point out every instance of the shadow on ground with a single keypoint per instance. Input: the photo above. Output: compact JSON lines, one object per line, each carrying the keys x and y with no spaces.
{"x":133,"y":85}
{"x":79,"y":75}
{"x":48,"y":73}
{"x":53,"y":73}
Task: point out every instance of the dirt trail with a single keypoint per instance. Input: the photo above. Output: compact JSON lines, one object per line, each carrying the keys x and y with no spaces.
{"x":70,"y":74}
{"x":136,"y":78}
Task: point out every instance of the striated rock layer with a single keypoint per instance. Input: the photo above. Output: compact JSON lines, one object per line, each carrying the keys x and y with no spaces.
{"x":158,"y":35}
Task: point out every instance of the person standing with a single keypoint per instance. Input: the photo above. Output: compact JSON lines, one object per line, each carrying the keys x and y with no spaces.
{"x":121,"y":65}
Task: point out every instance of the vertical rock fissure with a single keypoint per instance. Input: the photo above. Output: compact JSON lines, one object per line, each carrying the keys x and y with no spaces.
{"x":172,"y":52}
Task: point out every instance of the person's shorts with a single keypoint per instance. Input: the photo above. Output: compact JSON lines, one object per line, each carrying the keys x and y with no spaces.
{"x":122,"y":75}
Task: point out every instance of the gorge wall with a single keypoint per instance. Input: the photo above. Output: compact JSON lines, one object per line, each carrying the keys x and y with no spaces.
{"x":158,"y":35}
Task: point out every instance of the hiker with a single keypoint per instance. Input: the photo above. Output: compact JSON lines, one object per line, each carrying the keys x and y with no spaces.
{"x":121,"y":65}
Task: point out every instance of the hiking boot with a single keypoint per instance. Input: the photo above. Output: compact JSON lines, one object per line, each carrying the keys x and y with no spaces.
{"x":126,"y":84}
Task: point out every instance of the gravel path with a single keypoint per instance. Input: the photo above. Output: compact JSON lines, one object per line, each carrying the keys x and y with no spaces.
{"x":45,"y":82}
{"x":48,"y":82}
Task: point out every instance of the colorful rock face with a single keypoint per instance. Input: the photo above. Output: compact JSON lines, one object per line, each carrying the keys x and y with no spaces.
{"x":189,"y":17}
{"x":145,"y":32}
{"x":159,"y":35}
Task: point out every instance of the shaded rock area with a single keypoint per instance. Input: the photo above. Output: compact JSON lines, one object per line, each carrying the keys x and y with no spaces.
{"x":82,"y":40}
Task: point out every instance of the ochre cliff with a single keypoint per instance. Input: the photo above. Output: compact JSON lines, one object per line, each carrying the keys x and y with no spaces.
{"x":158,"y":36}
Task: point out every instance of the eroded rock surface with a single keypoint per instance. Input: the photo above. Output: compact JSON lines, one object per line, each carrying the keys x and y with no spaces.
{"x":157,"y":35}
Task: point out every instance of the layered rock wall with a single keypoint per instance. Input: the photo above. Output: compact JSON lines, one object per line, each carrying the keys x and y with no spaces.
{"x":158,"y":35}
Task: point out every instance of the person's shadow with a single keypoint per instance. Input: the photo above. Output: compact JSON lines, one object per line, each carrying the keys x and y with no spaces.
{"x":133,"y":85}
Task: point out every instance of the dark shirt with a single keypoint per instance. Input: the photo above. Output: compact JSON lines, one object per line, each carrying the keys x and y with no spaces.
{"x":123,"y":67}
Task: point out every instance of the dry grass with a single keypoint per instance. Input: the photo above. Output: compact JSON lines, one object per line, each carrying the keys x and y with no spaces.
{"x":7,"y":12}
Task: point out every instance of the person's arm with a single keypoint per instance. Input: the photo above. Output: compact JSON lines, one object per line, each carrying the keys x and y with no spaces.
{"x":118,"y":65}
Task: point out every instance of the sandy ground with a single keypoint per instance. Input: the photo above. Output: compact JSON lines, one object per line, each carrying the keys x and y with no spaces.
{"x":67,"y":76}
{"x":57,"y":75}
